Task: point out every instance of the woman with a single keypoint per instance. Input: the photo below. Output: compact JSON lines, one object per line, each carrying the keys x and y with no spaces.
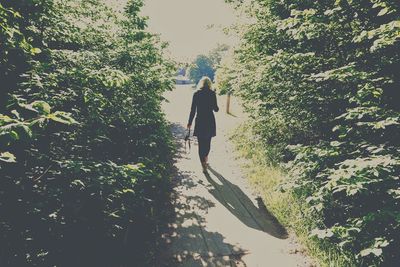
{"x":204,"y":103}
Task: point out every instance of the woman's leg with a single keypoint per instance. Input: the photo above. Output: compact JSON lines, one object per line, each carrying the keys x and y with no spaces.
{"x":202,"y":148}
{"x":207,"y":147}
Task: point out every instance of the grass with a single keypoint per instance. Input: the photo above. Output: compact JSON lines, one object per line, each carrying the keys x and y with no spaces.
{"x":289,"y":209}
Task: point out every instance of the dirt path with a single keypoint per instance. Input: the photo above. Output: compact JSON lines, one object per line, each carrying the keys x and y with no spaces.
{"x":218,"y":220}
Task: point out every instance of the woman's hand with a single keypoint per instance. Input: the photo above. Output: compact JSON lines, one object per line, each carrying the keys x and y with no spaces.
{"x":188,"y":126}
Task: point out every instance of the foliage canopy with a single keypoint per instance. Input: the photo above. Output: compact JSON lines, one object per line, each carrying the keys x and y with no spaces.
{"x":84,"y":146}
{"x":320,"y":80}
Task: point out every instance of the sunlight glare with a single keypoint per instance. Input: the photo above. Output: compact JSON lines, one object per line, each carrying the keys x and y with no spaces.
{"x":191,"y":27}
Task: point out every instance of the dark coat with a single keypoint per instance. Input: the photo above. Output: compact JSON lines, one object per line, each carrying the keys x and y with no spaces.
{"x":204,"y":103}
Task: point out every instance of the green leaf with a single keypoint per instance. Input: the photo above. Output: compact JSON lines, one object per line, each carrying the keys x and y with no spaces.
{"x":7,"y":157}
{"x":325,"y":233}
{"x":62,"y":117}
{"x":4,"y":119}
{"x":14,"y":135}
{"x":42,"y":107}
{"x":23,"y":132}
{"x":336,"y":143}
{"x":368,"y":251}
{"x":128,"y":191}
{"x":114,"y":214}
{"x":78,"y":182}
{"x":35,"y":51}
{"x":383,"y":11}
{"x":16,"y":114}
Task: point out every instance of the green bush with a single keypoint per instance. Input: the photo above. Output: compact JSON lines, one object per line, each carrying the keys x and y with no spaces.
{"x":319,"y":80}
{"x":84,"y":147}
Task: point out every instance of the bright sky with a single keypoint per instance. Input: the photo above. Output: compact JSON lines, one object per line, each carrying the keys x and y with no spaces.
{"x":184,"y":23}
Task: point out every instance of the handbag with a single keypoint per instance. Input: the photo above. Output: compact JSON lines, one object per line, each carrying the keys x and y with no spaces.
{"x":187,"y":139}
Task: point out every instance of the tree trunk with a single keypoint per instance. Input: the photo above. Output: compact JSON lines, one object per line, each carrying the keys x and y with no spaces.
{"x":228,"y":103}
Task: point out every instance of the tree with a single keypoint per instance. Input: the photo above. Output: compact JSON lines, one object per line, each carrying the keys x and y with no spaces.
{"x":84,"y":147}
{"x":217,"y":54}
{"x":224,"y":77}
{"x":226,"y":73}
{"x":319,"y":78}
{"x":202,"y":66}
{"x":206,"y":65}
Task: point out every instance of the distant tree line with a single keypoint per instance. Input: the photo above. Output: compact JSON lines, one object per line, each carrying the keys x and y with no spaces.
{"x":206,"y":65}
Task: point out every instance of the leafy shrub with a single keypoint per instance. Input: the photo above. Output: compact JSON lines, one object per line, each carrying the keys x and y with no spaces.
{"x":320,"y":77}
{"x":84,"y":147}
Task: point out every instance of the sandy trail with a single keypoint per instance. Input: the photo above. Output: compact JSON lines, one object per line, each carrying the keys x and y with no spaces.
{"x":219,"y":222}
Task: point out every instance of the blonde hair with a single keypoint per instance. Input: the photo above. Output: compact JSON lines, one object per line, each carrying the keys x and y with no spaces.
{"x":204,"y":83}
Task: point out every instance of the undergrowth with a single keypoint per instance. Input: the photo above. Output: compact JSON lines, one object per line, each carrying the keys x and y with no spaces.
{"x":267,"y":177}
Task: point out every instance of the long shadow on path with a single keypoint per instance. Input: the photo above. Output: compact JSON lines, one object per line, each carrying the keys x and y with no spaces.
{"x":240,"y":205}
{"x":190,"y":241}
